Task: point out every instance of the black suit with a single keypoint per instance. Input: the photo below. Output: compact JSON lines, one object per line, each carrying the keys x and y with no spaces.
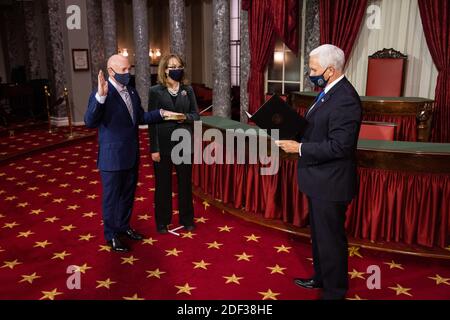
{"x":160,"y":141}
{"x":327,"y":175}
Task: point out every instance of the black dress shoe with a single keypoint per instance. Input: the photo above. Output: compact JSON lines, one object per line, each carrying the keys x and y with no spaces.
{"x":117,"y":245}
{"x":189,"y":227}
{"x":162,"y":229}
{"x":308,"y":283}
{"x":133,"y":235}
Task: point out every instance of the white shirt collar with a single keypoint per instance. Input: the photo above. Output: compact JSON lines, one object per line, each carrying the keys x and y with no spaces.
{"x":331,"y":85}
{"x":118,"y":87}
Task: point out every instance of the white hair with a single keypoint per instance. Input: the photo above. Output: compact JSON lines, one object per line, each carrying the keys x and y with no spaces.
{"x":330,"y":55}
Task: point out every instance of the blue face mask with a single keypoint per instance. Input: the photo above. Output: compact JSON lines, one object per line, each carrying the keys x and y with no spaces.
{"x":122,"y":78}
{"x":319,"y":80}
{"x":176,"y":74}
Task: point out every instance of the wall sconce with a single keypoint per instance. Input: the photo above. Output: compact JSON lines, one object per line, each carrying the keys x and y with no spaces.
{"x":278,"y":56}
{"x":154,"y":54}
{"x":124,"y":52}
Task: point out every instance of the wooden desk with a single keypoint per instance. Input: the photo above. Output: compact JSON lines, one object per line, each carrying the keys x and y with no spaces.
{"x":412,"y":115}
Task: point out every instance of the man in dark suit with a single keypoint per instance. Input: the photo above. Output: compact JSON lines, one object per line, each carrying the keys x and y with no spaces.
{"x":115,"y":109}
{"x":327,"y":168}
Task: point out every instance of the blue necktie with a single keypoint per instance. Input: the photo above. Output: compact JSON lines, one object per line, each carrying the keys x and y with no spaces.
{"x":318,"y":97}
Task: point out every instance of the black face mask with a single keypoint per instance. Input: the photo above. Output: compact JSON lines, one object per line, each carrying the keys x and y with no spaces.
{"x":319,"y":80}
{"x":122,"y":78}
{"x":176,"y":74}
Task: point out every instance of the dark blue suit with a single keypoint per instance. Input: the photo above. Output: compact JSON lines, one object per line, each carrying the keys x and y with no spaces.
{"x":118,"y":153}
{"x":327,"y":175}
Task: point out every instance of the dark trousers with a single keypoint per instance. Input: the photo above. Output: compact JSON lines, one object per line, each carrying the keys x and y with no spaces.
{"x":330,"y":247}
{"x":117,"y":201}
{"x":163,"y":192}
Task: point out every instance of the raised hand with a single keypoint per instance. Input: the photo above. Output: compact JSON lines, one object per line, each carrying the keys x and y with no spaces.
{"x":102,"y":84}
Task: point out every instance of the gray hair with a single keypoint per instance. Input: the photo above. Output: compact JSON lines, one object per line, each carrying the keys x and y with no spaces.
{"x":330,"y":55}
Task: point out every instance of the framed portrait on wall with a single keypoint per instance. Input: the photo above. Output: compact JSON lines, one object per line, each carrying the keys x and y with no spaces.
{"x":80,"y":59}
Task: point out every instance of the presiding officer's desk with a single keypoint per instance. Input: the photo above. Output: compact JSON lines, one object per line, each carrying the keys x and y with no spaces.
{"x":403,"y":195}
{"x":412,"y":115}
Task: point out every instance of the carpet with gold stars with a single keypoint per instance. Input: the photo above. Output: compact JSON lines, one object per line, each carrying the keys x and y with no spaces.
{"x":52,"y":246}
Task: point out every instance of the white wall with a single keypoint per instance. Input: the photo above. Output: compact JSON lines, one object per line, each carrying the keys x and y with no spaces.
{"x":401,"y":29}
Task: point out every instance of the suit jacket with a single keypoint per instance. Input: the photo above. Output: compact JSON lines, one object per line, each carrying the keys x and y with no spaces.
{"x":327,"y":166}
{"x":118,"y":135}
{"x":160,"y":134}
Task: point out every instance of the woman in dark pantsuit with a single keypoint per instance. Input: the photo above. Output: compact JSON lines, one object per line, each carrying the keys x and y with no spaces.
{"x":172,"y":93}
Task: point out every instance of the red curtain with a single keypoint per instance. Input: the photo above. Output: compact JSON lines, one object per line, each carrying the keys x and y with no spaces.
{"x":435,"y":15}
{"x":340,"y":22}
{"x":262,"y":42}
{"x":268,"y":19}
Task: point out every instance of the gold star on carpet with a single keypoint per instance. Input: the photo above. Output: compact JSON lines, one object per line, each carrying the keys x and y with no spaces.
{"x":81,"y":177}
{"x":51,"y":180}
{"x":201,"y":219}
{"x":185,"y":289}
{"x":356,"y":297}
{"x":104,"y":248}
{"x":140,"y":199}
{"x":60,"y":255}
{"x":10,"y":225}
{"x":25,"y":234}
{"x":29,"y":171}
{"x":68,"y":227}
{"x":32,"y":188}
{"x":77,"y":190}
{"x":233,"y":279}
{"x":11,"y":178}
{"x":105,"y":283}
{"x":92,"y":196}
{"x":68,"y":173}
{"x":201,"y":264}
{"x":45,"y":194}
{"x":149,"y":241}
{"x":36,"y":212}
{"x":276,"y":269}
{"x":354,"y":251}
{"x":282,"y":248}
{"x":83,"y":268}
{"x":29,"y":278}
{"x":10,"y":264}
{"x":40,"y":176}
{"x":74,"y":207}
{"x":205,"y":204}
{"x":440,"y":280}
{"x":243,"y":256}
{"x":50,"y":294}
{"x":59,"y":200}
{"x":89,"y":214}
{"x":225,"y":228}
{"x":151,"y":189}
{"x":64,"y":185}
{"x":400,"y":290}
{"x":93,"y":182}
{"x":133,"y":297}
{"x":155,"y":273}
{"x":269,"y":294}
{"x":11,"y":198}
{"x":355,"y":274}
{"x":173,"y":252}
{"x":130,"y":260}
{"x":393,"y":265}
{"x":22,"y":205}
{"x":214,"y":245}
{"x":52,"y":219}
{"x":189,"y":235}
{"x":252,"y":237}
{"x":85,"y":237}
{"x":41,"y":244}
{"x":144,"y":217}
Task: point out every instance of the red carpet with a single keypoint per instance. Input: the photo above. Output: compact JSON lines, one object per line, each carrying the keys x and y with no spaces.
{"x":50,"y":218}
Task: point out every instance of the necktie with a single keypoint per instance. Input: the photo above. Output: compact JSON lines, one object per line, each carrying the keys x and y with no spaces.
{"x":128,"y":102}
{"x":318,"y":97}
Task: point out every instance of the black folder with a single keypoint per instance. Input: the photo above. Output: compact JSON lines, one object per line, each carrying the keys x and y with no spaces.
{"x":275,"y":113}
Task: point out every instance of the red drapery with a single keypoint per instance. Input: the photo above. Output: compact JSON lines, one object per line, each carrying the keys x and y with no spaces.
{"x":405,"y":207}
{"x":268,"y":19}
{"x":340,"y":22}
{"x":435,"y":15}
